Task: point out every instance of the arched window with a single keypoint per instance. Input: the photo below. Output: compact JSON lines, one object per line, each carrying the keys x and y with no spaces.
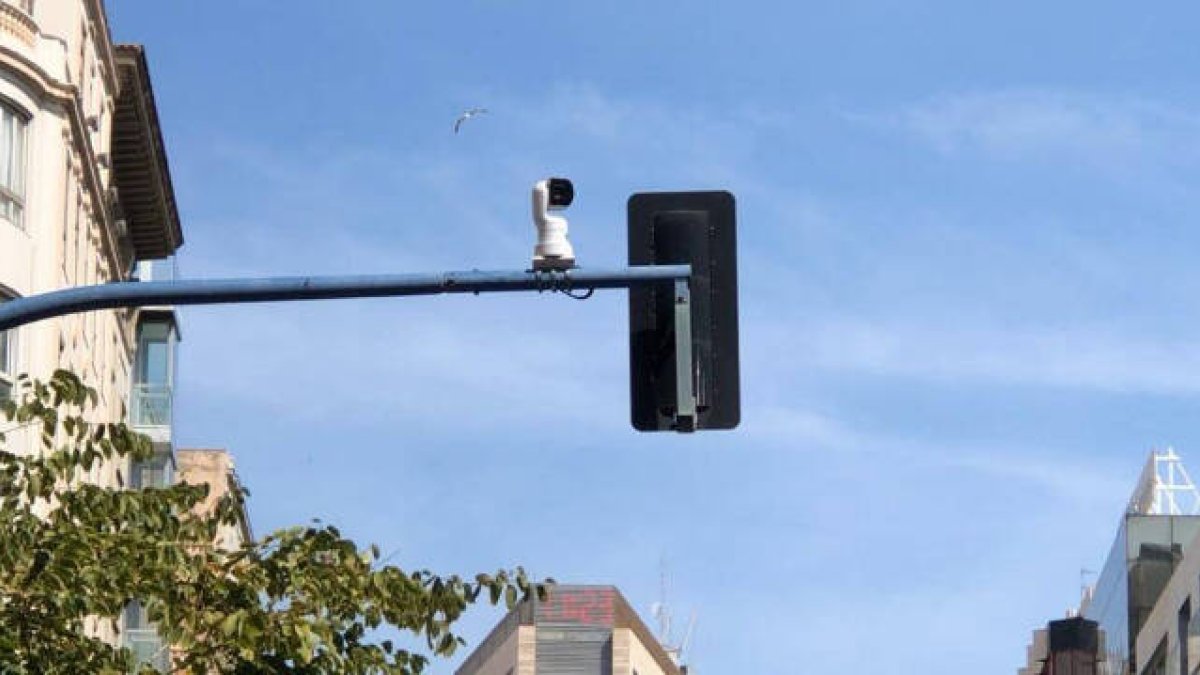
{"x":12,"y":165}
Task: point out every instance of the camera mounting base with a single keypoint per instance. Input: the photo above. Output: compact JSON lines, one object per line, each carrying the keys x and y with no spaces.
{"x":540,"y":264}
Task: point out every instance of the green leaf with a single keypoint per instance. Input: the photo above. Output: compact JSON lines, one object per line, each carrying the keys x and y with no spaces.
{"x":229,"y":625}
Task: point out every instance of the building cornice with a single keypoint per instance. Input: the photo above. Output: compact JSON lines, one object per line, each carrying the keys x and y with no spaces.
{"x":18,"y":24}
{"x":141,"y":171}
{"x":45,"y":87}
{"x":66,"y":95}
{"x":99,"y":18}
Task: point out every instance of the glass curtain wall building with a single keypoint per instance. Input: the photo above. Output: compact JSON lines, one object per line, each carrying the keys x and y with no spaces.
{"x":1142,"y":602}
{"x":1145,"y":554}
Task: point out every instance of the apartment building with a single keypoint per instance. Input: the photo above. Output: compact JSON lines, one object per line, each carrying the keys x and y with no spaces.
{"x":1070,"y":646}
{"x":577,"y":630}
{"x":86,"y":198}
{"x":214,"y":467}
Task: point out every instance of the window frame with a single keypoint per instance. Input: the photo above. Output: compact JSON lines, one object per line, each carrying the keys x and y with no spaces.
{"x":8,"y":352}
{"x":11,"y":199}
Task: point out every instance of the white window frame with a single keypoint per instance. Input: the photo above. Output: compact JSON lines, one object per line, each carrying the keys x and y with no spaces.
{"x":12,"y":195}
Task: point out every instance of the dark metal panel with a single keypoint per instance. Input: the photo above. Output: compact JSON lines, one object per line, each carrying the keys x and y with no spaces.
{"x":696,"y":228}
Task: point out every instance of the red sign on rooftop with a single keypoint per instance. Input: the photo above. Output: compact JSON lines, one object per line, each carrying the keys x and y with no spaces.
{"x":590,"y":607}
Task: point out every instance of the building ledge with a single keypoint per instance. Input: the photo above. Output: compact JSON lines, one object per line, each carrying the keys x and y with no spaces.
{"x":139,"y":162}
{"x":16,"y":23}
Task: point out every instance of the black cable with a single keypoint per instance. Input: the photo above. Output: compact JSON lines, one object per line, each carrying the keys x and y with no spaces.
{"x":567,"y":292}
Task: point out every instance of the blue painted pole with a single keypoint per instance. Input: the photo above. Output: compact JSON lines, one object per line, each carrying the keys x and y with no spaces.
{"x":20,"y":311}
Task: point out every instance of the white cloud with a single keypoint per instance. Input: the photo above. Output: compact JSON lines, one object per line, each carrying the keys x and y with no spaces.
{"x":1055,"y":125}
{"x":1053,"y":471}
{"x":1081,"y":357}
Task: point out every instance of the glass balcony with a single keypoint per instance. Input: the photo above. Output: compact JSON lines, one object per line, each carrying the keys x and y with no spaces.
{"x":151,"y":405}
{"x":162,"y":269}
{"x":156,"y":472}
{"x":148,"y":648}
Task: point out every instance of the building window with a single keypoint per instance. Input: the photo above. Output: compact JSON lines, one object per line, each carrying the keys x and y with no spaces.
{"x":1181,"y":634}
{"x":8,"y":358}
{"x":153,"y":473}
{"x":141,"y":637}
{"x":12,"y":165}
{"x":154,"y":364}
{"x":153,"y":374}
{"x":1189,"y":639}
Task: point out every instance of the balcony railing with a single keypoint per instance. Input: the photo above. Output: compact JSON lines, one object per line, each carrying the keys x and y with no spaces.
{"x":148,"y":648}
{"x":157,"y":472}
{"x":16,"y":20}
{"x":151,"y":405}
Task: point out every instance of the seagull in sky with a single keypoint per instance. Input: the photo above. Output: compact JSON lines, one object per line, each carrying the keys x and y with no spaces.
{"x":466,"y":116}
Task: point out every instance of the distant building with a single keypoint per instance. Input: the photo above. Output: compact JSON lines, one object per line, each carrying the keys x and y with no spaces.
{"x":86,"y":198}
{"x":1065,"y":647}
{"x":1145,"y":601}
{"x":198,"y":467}
{"x":214,"y":467}
{"x":577,"y":630}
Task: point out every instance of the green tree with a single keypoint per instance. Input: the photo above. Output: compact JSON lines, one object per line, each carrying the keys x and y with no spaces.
{"x":301,"y":600}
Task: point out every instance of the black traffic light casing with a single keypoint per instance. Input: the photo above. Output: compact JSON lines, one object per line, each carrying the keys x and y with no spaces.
{"x":697,"y":228}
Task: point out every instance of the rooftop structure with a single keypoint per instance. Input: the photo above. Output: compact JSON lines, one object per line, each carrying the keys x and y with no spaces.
{"x":1164,"y":488}
{"x":582,"y":630}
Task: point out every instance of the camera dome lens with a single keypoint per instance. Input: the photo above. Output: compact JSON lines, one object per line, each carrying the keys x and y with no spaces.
{"x":562,"y":192}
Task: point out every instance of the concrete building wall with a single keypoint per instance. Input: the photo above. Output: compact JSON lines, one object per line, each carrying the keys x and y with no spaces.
{"x":1162,"y":627}
{"x":516,"y":655}
{"x":215,"y":468}
{"x":94,"y":194}
{"x":631,"y":656}
{"x":526,"y":651}
{"x":58,"y":72}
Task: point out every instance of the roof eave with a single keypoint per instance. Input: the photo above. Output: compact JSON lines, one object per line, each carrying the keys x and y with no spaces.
{"x":141,"y":172}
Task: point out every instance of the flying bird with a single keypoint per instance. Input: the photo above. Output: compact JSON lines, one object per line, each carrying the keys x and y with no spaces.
{"x":466,"y":116}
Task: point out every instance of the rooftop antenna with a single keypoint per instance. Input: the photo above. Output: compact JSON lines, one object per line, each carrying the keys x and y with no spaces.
{"x":659,"y":609}
{"x":1085,"y":589}
{"x":662,"y":612}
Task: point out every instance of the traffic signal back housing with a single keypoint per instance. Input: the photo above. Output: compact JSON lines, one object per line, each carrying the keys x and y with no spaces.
{"x":696,"y":228}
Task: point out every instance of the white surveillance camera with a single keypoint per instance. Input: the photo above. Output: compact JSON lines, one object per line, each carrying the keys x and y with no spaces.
{"x":553,"y":251}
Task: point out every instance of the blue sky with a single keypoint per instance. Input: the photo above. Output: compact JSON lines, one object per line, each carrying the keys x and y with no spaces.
{"x":967,"y":282}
